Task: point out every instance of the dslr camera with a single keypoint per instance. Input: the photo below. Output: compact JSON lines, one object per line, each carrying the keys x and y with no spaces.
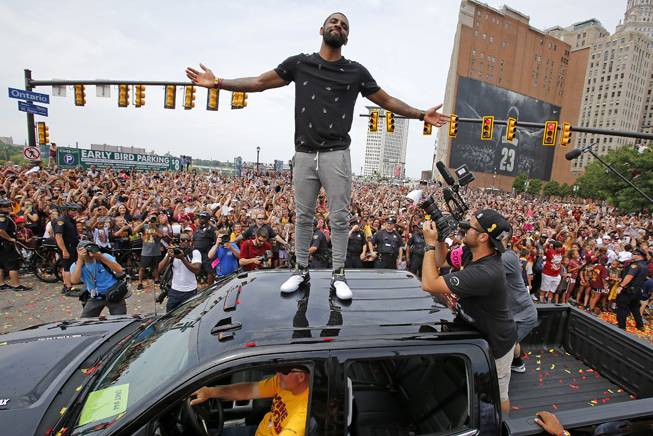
{"x":456,"y":204}
{"x":224,"y":239}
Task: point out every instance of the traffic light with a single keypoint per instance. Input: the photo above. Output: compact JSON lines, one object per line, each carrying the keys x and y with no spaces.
{"x":212,"y":99}
{"x":427,"y":129}
{"x":123,"y":95}
{"x":550,"y":132}
{"x":565,"y":134}
{"x":189,"y":97}
{"x":487,"y":128}
{"x":80,"y":95}
{"x":389,"y":122}
{"x":171,"y":96}
{"x":43,"y":133}
{"x":511,"y":129}
{"x":374,"y":121}
{"x":453,"y":125}
{"x":139,"y":96}
{"x":238,"y":100}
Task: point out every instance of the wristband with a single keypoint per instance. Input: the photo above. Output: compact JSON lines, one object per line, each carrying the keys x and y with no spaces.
{"x":428,"y":247}
{"x":218,"y":83}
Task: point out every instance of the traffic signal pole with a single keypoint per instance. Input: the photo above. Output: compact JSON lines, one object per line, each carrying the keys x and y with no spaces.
{"x":540,"y":125}
{"x":31,"y":138}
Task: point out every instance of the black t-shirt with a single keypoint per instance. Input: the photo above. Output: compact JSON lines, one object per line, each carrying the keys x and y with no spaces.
{"x":355,"y":243}
{"x":483,"y":301}
{"x":325,"y":94}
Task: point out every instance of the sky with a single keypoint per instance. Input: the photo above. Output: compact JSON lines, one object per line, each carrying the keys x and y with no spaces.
{"x":406,"y":45}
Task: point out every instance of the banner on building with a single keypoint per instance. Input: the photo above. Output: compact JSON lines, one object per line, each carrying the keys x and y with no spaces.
{"x":524,"y":154}
{"x":74,"y":157}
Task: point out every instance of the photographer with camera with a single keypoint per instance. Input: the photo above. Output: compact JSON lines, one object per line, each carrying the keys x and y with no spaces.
{"x":224,"y":255}
{"x":186,"y":263}
{"x":256,"y":253}
{"x":98,"y":271}
{"x":480,"y":286}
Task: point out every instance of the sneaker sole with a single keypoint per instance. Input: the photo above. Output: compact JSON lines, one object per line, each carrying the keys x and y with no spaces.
{"x":303,"y":283}
{"x":518,"y":369}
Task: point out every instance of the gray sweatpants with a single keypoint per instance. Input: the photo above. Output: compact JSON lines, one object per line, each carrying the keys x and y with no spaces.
{"x":311,"y":171}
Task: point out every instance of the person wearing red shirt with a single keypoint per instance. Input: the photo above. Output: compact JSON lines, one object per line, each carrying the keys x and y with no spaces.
{"x":598,"y":281}
{"x":256,"y":253}
{"x":551,"y":271}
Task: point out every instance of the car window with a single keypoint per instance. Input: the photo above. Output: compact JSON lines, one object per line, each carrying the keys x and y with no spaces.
{"x":420,"y":395}
{"x":150,"y":360}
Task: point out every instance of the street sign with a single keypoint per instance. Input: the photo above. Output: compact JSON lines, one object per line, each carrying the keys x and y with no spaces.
{"x":32,"y":153}
{"x":32,"y":108}
{"x":72,"y":157}
{"x":21,"y":94}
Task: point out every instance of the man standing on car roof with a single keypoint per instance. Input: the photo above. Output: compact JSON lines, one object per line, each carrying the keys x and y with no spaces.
{"x":326,"y":87}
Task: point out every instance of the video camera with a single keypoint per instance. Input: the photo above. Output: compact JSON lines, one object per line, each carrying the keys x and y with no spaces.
{"x":448,"y":223}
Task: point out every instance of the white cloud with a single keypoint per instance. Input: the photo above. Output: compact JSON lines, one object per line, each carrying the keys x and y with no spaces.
{"x":406,"y":46}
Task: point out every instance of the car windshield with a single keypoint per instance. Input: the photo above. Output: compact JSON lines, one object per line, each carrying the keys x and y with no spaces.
{"x":148,"y":361}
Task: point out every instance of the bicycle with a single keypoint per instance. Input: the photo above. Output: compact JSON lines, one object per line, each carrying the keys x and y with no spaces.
{"x":44,"y":261}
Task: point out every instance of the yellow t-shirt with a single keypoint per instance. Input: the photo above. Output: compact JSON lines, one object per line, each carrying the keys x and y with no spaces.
{"x":287,"y":416}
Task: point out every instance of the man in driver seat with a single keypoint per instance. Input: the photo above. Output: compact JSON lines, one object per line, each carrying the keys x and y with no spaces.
{"x":288,"y":389}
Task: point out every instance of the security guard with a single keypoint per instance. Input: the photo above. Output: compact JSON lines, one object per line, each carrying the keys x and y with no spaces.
{"x":65,"y":234}
{"x":629,"y":292}
{"x":355,"y":246}
{"x":387,"y":244}
{"x":203,"y":240}
{"x":416,"y":251}
{"x":319,"y":249}
{"x":9,"y":257}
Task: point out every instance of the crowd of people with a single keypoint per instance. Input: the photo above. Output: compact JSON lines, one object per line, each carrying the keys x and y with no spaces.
{"x":570,"y":251}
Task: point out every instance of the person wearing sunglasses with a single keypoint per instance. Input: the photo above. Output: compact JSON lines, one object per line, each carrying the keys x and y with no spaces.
{"x":288,"y":388}
{"x":480,"y":286}
{"x":186,"y":263}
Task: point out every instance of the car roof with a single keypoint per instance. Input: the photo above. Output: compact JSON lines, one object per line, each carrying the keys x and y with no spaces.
{"x":249,"y":310}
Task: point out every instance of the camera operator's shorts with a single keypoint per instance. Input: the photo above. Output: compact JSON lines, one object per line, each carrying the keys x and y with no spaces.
{"x":503,"y":372}
{"x":549,"y":283}
{"x":149,"y":261}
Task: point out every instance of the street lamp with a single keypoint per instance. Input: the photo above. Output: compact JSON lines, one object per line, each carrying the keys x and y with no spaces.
{"x":258,"y":150}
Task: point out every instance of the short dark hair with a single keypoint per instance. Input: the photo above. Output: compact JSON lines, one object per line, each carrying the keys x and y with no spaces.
{"x":263,"y":232}
{"x":332,"y":14}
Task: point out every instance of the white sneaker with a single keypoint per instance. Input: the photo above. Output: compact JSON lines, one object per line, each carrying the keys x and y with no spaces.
{"x":339,"y":284}
{"x":299,"y":278}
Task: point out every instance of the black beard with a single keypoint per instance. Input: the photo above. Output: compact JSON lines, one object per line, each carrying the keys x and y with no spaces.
{"x":335,"y":40}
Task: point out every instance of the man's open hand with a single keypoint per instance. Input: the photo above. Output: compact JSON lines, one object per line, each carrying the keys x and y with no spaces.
{"x":205,"y":78}
{"x":435,"y":118}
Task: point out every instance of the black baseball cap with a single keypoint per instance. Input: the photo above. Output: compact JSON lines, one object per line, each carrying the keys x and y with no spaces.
{"x":495,"y":225}
{"x":5,"y":202}
{"x":392,"y":220}
{"x":203,"y":215}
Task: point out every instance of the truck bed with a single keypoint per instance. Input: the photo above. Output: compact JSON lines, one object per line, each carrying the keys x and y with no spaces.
{"x":556,"y":381}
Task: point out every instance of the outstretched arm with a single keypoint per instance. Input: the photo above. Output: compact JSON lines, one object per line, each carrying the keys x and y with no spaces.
{"x":206,"y":78}
{"x":394,"y":105}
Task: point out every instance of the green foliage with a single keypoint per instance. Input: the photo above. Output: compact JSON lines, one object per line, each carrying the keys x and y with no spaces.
{"x":11,"y":153}
{"x":534,"y":186}
{"x":565,"y":190}
{"x":600,"y":183}
{"x":519,"y":184}
{"x":551,"y":188}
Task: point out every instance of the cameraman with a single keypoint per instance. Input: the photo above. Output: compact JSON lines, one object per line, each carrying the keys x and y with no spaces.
{"x":186,"y":262}
{"x":480,"y":286}
{"x":97,"y":270}
{"x":255,"y":253}
{"x":224,"y":254}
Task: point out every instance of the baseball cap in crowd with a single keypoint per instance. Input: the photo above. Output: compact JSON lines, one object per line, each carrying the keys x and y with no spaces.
{"x":204,"y":215}
{"x":19,"y":220}
{"x":392,"y":220}
{"x":495,"y":225}
{"x":5,"y":202}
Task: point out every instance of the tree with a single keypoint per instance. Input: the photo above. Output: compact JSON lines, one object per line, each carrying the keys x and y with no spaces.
{"x":551,"y":188}
{"x":519,"y":184}
{"x":565,"y":190}
{"x":534,"y":186}
{"x":600,"y":183}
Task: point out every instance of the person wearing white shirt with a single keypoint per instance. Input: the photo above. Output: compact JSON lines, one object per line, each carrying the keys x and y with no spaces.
{"x":186,"y":263}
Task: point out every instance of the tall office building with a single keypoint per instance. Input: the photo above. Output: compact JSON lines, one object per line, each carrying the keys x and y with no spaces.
{"x":616,"y":92}
{"x":502,"y":66}
{"x":385,"y":153}
{"x":638,"y":17}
